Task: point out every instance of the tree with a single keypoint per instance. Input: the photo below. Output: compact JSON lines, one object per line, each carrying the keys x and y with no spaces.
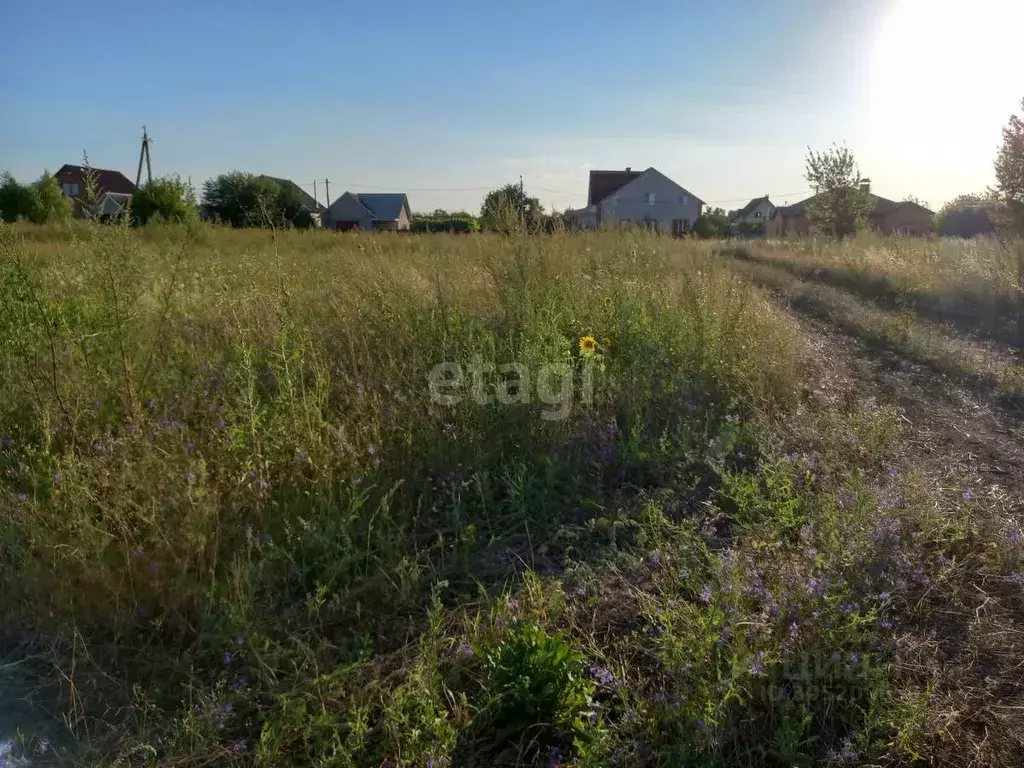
{"x":1010,"y":172}
{"x":508,"y":209}
{"x":842,"y":201}
{"x":713,"y":224}
{"x":39,"y":202}
{"x":244,"y":200}
{"x":167,"y":198}
{"x":969,"y":215}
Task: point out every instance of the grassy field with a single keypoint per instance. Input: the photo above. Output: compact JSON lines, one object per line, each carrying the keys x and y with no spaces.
{"x":238,"y":525}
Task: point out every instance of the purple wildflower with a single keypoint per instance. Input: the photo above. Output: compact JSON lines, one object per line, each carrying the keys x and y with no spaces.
{"x":794,"y":630}
{"x":837,"y":656}
{"x":705,"y":594}
{"x":854,"y":658}
{"x":1014,"y":537}
{"x":240,"y":684}
{"x":240,"y":746}
{"x":816,"y":586}
{"x":967,"y":495}
{"x":132,"y":429}
{"x":191,"y":447}
{"x":154,"y":566}
{"x":239,"y":640}
{"x":1017,"y":578}
{"x":465,"y":650}
{"x":227,"y":658}
{"x":554,"y":757}
{"x":601,"y":675}
{"x":57,"y":478}
{"x":885,"y":597}
{"x":191,"y":476}
{"x":513,"y":604}
{"x":303,"y":457}
{"x":885,"y":624}
{"x":655,"y":561}
{"x":757,"y":668}
{"x":701,"y":725}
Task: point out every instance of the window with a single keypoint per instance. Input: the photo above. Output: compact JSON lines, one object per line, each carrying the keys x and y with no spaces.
{"x":678,"y":226}
{"x":70,"y":189}
{"x":757,"y":214}
{"x":684,"y":199}
{"x":650,"y":198}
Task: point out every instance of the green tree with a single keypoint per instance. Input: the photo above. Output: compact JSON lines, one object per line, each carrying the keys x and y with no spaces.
{"x":713,"y":224}
{"x":508,"y":209}
{"x":167,"y":198}
{"x":842,"y":202}
{"x":244,"y":200}
{"x":39,"y":202}
{"x":17,"y":201}
{"x":1010,"y":172}
{"x":969,"y":215}
{"x":51,"y":203}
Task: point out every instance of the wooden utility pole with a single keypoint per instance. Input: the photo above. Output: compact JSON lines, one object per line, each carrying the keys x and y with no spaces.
{"x":144,"y":152}
{"x":327,"y":187}
{"x":315,"y":201}
{"x":522,"y":202}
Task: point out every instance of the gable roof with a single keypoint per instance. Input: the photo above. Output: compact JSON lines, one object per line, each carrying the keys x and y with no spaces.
{"x":384,"y":206}
{"x":307,"y":199}
{"x":882,"y":206}
{"x":655,"y":172}
{"x":747,"y":209}
{"x":108,"y":181}
{"x":603,"y":184}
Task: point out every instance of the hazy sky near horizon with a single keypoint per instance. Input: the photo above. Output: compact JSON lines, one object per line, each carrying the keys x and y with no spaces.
{"x":447,"y":99}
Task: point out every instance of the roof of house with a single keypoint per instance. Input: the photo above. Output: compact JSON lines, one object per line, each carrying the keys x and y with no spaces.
{"x":108,"y":181}
{"x":385,"y":206}
{"x":747,"y":209}
{"x":603,"y":184}
{"x":307,"y":199}
{"x":882,"y":206}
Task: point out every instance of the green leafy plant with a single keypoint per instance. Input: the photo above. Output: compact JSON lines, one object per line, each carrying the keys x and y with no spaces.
{"x":535,"y":690}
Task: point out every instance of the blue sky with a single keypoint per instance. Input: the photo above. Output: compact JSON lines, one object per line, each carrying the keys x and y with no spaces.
{"x":447,"y":99}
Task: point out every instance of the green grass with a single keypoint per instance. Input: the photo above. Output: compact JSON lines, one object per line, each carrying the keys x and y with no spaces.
{"x":238,"y":529}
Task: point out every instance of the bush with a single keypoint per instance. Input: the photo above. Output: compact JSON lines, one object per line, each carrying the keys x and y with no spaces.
{"x":39,"y":203}
{"x":168,"y":199}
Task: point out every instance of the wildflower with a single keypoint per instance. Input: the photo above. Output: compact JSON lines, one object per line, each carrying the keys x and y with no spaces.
{"x":725,"y":637}
{"x":154,"y":566}
{"x":588,"y":346}
{"x":465,"y":650}
{"x":191,"y":476}
{"x":240,"y":684}
{"x":655,"y":561}
{"x":885,"y":597}
{"x":372,"y":449}
{"x":554,"y":757}
{"x":836,"y":656}
{"x":513,"y":604}
{"x":1017,"y":578}
{"x":757,"y":668}
{"x":854,"y":658}
{"x":967,"y":495}
{"x":191,"y":447}
{"x":943,"y":560}
{"x":21,"y":498}
{"x":705,"y":594}
{"x":226,"y":708}
{"x":132,"y":429}
{"x":601,"y":675}
{"x":303,"y":457}
{"x":57,"y":478}
{"x":701,"y":725}
{"x":1014,"y":537}
{"x":240,"y":746}
{"x":239,"y":640}
{"x":227,"y":658}
{"x":794,"y":630}
{"x":815,"y":586}
{"x":885,"y":624}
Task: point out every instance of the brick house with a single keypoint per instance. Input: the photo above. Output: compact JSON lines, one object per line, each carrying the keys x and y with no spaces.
{"x":114,"y":189}
{"x":886,"y":216}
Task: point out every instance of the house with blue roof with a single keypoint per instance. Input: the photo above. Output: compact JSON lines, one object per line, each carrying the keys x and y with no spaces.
{"x":366,"y":211}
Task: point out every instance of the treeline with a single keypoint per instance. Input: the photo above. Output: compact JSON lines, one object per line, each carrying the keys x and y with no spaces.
{"x":40,"y":202}
{"x":441,"y":220}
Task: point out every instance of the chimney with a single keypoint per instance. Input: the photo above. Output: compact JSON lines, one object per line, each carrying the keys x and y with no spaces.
{"x":628,"y":169}
{"x":865,"y":185}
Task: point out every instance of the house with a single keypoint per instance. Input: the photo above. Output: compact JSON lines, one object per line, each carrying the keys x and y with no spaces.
{"x":315,"y":209}
{"x":113,"y":190}
{"x":886,"y":216}
{"x":645,"y":198}
{"x":377,"y":211}
{"x":757,"y":211}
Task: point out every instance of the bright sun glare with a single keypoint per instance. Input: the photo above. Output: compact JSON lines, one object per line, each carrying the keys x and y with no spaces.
{"x":956,"y":60}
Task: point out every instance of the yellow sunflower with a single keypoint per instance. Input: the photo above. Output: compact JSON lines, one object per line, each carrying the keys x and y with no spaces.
{"x":588,"y":345}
